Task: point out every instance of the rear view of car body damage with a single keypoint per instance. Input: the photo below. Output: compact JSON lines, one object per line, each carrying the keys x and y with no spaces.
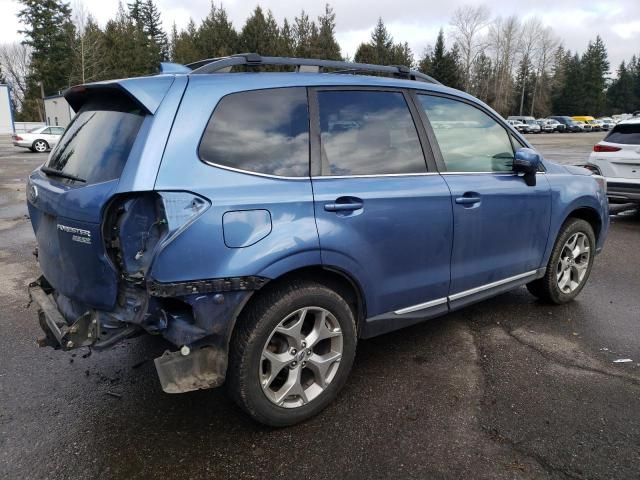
{"x":97,"y":243}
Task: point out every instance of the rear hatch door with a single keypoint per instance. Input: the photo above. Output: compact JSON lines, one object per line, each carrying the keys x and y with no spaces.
{"x":624,"y":162}
{"x":68,"y":194}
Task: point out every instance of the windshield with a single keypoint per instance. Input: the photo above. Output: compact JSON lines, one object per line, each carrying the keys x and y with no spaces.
{"x":97,"y":143}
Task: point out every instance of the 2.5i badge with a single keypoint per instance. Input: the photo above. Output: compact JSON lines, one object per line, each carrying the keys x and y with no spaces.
{"x":78,"y":234}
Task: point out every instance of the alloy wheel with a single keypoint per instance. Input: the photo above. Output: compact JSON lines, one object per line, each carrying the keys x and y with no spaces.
{"x":40,"y":146}
{"x":573,"y":262}
{"x":301,"y":357}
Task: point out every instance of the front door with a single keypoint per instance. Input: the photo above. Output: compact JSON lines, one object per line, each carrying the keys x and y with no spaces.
{"x":381,"y":215}
{"x":501,"y":225}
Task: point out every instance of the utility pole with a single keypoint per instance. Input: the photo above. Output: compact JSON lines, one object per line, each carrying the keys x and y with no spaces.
{"x":41,"y":109}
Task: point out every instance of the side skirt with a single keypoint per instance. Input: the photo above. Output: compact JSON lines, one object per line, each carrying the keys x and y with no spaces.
{"x":404,"y":317}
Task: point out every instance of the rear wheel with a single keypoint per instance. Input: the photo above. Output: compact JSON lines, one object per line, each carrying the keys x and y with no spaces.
{"x":291,"y":353}
{"x":569,"y":265}
{"x":40,"y":146}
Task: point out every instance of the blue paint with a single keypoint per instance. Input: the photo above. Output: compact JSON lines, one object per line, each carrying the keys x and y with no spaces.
{"x":409,"y":239}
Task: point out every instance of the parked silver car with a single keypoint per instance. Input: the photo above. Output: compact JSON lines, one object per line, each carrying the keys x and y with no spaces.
{"x":39,"y":139}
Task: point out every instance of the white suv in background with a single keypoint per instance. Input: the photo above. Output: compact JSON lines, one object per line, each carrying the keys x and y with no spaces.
{"x":39,"y":139}
{"x":617,"y":158}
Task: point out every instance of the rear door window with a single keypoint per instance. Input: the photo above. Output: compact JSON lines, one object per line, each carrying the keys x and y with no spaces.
{"x":368,"y":133}
{"x":261,"y":131}
{"x":626,"y":134}
{"x":469,"y":139}
{"x":97,"y":143}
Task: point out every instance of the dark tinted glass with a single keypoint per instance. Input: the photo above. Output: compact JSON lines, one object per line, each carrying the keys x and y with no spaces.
{"x":98,"y":141}
{"x":263,"y":131}
{"x":469,"y":139}
{"x":626,"y":134}
{"x":368,"y":133}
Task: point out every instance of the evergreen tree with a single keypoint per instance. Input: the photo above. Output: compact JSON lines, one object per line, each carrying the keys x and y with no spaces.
{"x":382,"y":51}
{"x":481,"y":75}
{"x":569,"y":98}
{"x":621,"y":97}
{"x":260,"y":34}
{"x":595,"y":67}
{"x":125,"y":51}
{"x":304,"y":33}
{"x":216,"y":37}
{"x":151,"y":25}
{"x":184,"y":48}
{"x":135,"y":12}
{"x":49,"y":32}
{"x":287,"y":47}
{"x":442,"y":65}
{"x":325,"y":43}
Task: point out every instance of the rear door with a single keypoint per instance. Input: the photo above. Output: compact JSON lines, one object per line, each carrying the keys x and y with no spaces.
{"x":381,"y":214}
{"x":67,"y":195}
{"x":501,"y":225}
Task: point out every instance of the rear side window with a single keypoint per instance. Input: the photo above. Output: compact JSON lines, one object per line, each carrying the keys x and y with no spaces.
{"x":626,"y":134}
{"x":469,"y":139}
{"x":262,"y":131}
{"x":368,"y":133}
{"x":97,"y":143}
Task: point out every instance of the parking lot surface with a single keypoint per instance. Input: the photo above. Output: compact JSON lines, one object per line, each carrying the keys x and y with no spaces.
{"x":508,"y":388}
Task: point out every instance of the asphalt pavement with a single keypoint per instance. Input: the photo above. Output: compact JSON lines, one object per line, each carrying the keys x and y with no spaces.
{"x":509,"y":388}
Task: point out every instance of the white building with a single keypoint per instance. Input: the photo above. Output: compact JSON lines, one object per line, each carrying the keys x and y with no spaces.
{"x":6,"y":117}
{"x":57,"y":111}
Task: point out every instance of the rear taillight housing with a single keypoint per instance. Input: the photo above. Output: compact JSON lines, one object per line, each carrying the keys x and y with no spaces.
{"x":17,"y":138}
{"x":605,"y":148}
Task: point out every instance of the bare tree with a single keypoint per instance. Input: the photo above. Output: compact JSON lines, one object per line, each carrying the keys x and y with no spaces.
{"x":529,"y":49}
{"x":15,"y":59}
{"x":87,"y":64}
{"x":468,"y":24}
{"x":547,"y":45}
{"x":504,"y":44}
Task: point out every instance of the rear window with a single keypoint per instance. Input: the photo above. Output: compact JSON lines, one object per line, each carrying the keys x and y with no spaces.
{"x":97,"y":143}
{"x":262,"y":131}
{"x":626,"y":134}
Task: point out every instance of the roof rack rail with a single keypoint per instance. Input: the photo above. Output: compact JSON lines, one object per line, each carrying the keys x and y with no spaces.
{"x":224,"y":64}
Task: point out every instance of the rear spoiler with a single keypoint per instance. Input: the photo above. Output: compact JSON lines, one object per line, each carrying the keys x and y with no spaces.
{"x":146,"y":92}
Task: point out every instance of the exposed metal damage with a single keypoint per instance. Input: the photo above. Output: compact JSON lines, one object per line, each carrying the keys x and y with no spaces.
{"x":194,"y":316}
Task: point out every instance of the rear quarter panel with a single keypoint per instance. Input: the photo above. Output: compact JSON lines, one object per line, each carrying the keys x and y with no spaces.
{"x":200,"y":251}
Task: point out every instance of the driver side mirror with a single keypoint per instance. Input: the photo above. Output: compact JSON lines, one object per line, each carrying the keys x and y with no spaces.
{"x":527,"y":161}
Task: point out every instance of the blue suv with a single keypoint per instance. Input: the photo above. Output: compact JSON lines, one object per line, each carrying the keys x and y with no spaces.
{"x":263,"y":222}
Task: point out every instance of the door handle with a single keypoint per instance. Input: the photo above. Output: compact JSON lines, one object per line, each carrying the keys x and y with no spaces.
{"x":468,"y":199}
{"x":344,"y":204}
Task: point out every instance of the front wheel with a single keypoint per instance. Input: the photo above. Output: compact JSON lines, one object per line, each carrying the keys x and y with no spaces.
{"x":291,"y":353}
{"x":569,"y":265}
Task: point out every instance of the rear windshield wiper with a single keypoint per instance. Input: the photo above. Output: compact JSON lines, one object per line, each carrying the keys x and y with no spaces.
{"x":57,"y":173}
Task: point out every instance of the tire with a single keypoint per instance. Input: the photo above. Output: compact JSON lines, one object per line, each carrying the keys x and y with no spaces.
{"x":567,"y":270}
{"x":40,"y":146}
{"x":259,"y":385}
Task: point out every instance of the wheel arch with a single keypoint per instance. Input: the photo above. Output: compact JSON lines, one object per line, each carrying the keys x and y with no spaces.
{"x":589,"y":215}
{"x":334,"y":278}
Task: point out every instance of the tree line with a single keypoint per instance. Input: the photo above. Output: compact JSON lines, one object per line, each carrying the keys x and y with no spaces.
{"x":514,"y":66}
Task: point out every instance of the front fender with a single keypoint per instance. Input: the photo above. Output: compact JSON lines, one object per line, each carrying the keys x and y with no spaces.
{"x":571,"y":193}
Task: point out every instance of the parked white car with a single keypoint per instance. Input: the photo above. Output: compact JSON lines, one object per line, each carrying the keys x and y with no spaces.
{"x":39,"y":139}
{"x":617,"y":158}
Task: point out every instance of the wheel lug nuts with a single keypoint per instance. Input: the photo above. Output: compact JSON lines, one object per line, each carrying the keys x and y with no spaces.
{"x":294,"y":363}
{"x":309,"y":352}
{"x":304,"y":344}
{"x":304,"y":363}
{"x":293,"y":351}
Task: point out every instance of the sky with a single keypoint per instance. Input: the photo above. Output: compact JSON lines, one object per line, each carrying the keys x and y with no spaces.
{"x":416,"y":22}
